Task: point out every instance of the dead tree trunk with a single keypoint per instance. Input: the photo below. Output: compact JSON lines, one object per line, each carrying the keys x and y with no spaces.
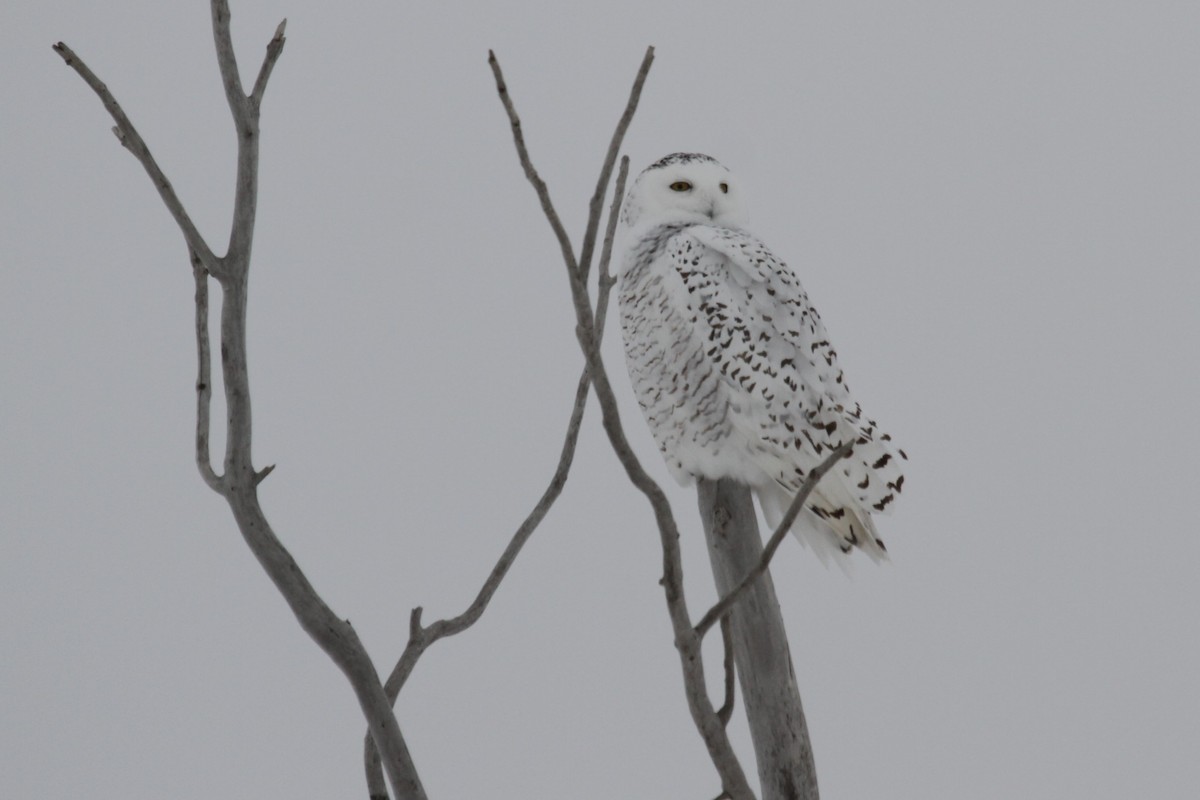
{"x":760,"y":647}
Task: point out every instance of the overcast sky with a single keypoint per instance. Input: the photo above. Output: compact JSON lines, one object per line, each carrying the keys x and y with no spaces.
{"x":993,"y":205}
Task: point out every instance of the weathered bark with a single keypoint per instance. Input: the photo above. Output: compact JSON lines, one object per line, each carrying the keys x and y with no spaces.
{"x":760,"y":646}
{"x":238,"y":483}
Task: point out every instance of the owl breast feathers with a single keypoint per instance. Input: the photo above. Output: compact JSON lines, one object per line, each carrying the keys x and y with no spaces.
{"x":732,"y":366}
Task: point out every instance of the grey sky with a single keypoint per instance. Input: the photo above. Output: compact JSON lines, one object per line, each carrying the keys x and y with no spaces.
{"x":993,"y":206}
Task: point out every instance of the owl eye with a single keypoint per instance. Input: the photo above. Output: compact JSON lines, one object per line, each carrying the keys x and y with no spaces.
{"x":681,"y":186}
{"x":724,"y":188}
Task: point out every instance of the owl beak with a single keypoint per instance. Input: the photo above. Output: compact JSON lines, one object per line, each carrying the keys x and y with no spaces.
{"x":712,"y":209}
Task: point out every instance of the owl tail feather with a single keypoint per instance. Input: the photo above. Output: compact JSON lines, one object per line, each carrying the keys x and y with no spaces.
{"x":832,"y":523}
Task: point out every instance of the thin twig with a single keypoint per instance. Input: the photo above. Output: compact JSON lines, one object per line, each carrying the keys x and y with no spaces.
{"x":449,"y":627}
{"x":614,"y":146}
{"x":539,"y":185}
{"x":203,"y":378}
{"x":231,"y":77}
{"x":687,"y":642}
{"x":606,"y":281}
{"x":129,"y":137}
{"x":420,"y":637}
{"x":814,"y":477}
{"x":726,"y":709}
{"x":274,"y":49}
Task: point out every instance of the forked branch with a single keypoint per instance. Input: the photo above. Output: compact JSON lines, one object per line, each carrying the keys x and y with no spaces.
{"x":687,"y":641}
{"x":132,"y":141}
{"x":239,"y":481}
{"x":422,"y":637}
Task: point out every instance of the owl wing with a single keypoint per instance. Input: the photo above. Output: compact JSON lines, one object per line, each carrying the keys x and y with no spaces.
{"x":769,"y":346}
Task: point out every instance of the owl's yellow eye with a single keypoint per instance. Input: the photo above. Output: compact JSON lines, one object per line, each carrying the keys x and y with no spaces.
{"x":681,"y":186}
{"x":724,"y":188}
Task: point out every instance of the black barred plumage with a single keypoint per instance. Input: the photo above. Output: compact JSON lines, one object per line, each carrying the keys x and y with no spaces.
{"x":731,"y":363}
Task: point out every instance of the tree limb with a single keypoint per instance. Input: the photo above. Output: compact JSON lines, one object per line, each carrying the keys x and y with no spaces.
{"x":240,"y":480}
{"x":589,"y":236}
{"x":274,"y":48}
{"x":726,"y":710}
{"x":687,"y":642}
{"x":245,"y":111}
{"x":814,"y":477}
{"x":421,"y":638}
{"x":128,"y":136}
{"x":539,"y":185}
{"x":444,"y":628}
{"x":227,"y":59}
{"x":606,"y":281}
{"x":203,"y":378}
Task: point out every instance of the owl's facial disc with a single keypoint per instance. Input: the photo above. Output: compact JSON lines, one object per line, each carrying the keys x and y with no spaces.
{"x":684,"y":188}
{"x":695,"y":191}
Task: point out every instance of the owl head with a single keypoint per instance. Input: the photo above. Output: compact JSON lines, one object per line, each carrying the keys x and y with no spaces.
{"x":687,"y":188}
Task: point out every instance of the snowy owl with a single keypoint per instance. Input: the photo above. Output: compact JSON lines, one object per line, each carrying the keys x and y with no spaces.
{"x":731,"y":364}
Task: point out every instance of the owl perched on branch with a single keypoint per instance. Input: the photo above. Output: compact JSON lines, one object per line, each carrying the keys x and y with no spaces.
{"x":731,"y":363}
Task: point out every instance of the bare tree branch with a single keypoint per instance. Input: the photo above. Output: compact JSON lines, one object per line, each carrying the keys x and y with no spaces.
{"x":589,"y":236}
{"x":606,"y":281}
{"x":687,"y":642}
{"x":723,"y":605}
{"x":128,"y":136}
{"x":539,"y":185}
{"x":726,"y":709}
{"x":227,"y":59}
{"x":421,"y":638}
{"x":239,"y":482}
{"x":444,"y":628}
{"x":203,"y":378}
{"x":245,"y":118}
{"x":274,"y":48}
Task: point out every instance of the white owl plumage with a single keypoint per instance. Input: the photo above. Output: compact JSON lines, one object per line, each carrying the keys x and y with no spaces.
{"x":731,"y":363}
